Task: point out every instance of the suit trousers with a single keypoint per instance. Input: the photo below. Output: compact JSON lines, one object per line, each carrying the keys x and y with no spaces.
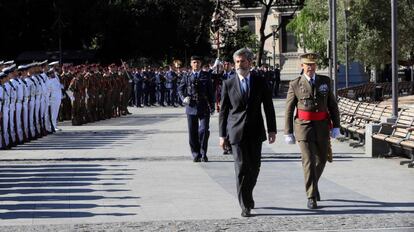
{"x":198,"y":131}
{"x":247,"y":155}
{"x":314,"y":157}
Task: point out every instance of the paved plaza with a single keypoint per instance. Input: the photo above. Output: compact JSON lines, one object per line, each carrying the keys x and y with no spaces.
{"x":136,"y":173}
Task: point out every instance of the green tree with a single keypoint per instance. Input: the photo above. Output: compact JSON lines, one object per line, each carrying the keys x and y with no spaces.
{"x":115,"y":29}
{"x":240,"y":38}
{"x":369,"y":26}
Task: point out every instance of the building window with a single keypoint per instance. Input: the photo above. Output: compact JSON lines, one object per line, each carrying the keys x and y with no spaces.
{"x":249,"y":22}
{"x":288,"y":38}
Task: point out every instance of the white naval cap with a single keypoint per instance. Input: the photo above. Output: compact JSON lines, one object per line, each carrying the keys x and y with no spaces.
{"x":9,"y":69}
{"x":42,"y":62}
{"x":9,"y":62}
{"x":53,"y":63}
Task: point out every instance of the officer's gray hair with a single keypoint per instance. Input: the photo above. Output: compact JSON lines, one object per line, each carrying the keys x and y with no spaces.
{"x":245,"y":52}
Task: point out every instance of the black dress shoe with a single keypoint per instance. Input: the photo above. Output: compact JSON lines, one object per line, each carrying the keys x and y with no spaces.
{"x":204,"y":159}
{"x":312,"y":203}
{"x":318,"y":196}
{"x":197,"y":159}
{"x":246,"y":213}
{"x":252,"y":205}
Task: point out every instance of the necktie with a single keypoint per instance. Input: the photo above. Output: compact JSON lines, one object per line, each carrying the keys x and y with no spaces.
{"x":312,"y":83}
{"x":245,"y":88}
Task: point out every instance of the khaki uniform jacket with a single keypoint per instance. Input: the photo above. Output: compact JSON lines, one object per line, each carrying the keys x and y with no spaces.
{"x":320,"y":98}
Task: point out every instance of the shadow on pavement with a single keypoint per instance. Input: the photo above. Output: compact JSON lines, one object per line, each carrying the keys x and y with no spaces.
{"x":342,"y":206}
{"x":73,"y":140}
{"x":64,"y":191}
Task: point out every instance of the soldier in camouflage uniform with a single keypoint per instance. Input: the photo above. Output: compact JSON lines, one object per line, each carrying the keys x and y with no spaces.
{"x":65,"y":107}
{"x":76,"y":87}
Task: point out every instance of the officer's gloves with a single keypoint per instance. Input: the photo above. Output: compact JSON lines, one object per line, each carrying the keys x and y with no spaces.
{"x":335,"y":132}
{"x":290,"y":139}
{"x":186,"y":100}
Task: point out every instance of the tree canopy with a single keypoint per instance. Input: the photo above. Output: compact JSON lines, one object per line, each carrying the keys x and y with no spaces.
{"x":115,"y":29}
{"x":369,"y":26}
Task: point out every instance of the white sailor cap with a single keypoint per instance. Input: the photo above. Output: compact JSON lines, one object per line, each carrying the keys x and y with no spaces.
{"x":9,"y":69}
{"x":53,"y":63}
{"x":9,"y":62}
{"x":41,"y":63}
{"x":23,"y":67}
{"x":2,"y":75}
{"x":1,"y":62}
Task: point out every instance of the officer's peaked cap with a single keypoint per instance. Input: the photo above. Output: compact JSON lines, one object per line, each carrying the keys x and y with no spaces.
{"x":309,"y":58}
{"x":195,"y":57}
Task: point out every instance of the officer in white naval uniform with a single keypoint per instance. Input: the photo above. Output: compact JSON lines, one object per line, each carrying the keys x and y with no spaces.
{"x":18,"y":108}
{"x":32,"y":101}
{"x":55,"y":89}
{"x":6,"y":109}
{"x":44,"y":101}
{"x":2,"y":75}
{"x":38,"y":96}
{"x":25,"y":102}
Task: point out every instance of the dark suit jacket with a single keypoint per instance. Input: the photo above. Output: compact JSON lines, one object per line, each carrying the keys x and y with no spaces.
{"x":319,"y":99}
{"x":243,"y":119}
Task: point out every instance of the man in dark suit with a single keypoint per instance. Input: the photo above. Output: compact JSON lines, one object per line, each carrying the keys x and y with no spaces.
{"x":196,"y":92}
{"x":317,"y":116}
{"x":241,"y":118}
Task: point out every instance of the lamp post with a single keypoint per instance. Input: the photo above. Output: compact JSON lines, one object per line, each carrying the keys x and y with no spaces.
{"x":334,"y":47}
{"x":394,"y":55}
{"x":347,"y":7}
{"x":274,"y":30}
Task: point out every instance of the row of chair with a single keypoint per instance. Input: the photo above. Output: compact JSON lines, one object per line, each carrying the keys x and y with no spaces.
{"x":371,"y":92}
{"x":355,"y":115}
{"x":398,"y":136}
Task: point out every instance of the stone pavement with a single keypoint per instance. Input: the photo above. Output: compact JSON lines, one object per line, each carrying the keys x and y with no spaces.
{"x":135,"y":174}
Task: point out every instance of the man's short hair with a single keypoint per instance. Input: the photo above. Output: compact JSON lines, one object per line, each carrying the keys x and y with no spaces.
{"x":245,"y":52}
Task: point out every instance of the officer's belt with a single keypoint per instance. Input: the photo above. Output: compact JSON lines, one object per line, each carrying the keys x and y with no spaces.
{"x":312,"y":116}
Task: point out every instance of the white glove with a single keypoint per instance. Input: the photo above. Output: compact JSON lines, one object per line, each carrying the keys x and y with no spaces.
{"x":186,"y":100}
{"x":290,"y":139}
{"x":335,"y":132}
{"x":217,"y":62}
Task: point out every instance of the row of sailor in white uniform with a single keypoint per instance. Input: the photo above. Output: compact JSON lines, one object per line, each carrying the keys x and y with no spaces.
{"x":30,"y":97}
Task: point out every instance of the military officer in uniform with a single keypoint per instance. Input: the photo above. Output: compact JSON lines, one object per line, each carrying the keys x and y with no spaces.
{"x":2,"y":75}
{"x":196,"y":92}
{"x":7,"y":89}
{"x":55,"y":94}
{"x":171,"y":86}
{"x":311,"y":117}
